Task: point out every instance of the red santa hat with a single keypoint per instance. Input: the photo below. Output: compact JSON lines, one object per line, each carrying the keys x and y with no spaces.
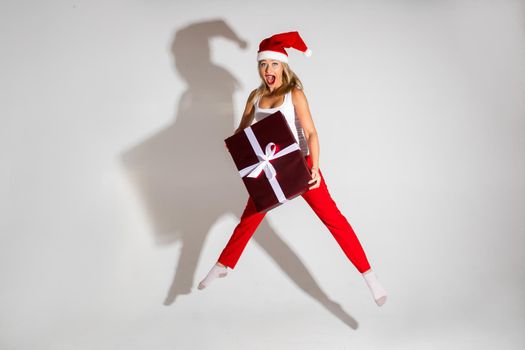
{"x":273,"y":47}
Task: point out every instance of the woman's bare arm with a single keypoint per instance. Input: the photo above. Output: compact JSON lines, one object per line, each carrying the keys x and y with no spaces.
{"x":248,"y":114}
{"x":305,"y":118}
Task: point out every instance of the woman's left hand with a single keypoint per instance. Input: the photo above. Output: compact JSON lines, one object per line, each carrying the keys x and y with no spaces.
{"x":316,"y":178}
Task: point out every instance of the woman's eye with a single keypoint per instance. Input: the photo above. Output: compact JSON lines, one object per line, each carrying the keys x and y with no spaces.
{"x":275,"y":63}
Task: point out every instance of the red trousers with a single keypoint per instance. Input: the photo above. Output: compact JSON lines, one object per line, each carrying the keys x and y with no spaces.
{"x":326,"y":209}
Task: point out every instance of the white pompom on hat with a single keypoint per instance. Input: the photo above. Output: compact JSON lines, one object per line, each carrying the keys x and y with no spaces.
{"x":273,"y":47}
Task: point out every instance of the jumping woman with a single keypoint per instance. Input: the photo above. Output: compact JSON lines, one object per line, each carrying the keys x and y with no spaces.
{"x":281,"y":90}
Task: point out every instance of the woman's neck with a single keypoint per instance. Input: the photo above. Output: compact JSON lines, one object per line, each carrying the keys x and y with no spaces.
{"x":273,"y":89}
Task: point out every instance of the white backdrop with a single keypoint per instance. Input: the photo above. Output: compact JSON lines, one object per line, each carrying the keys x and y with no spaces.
{"x":117,"y":194}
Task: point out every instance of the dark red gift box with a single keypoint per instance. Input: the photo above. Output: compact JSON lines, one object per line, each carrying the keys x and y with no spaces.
{"x":270,"y":162}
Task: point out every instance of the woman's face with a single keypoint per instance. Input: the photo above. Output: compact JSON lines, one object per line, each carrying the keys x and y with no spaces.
{"x":271,"y":71}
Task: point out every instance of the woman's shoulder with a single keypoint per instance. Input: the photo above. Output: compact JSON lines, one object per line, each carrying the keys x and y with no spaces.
{"x":251,"y":97}
{"x":297,"y":94}
{"x":252,"y":94}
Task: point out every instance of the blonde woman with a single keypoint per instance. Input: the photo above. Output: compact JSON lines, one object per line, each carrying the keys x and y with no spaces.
{"x":281,"y":90}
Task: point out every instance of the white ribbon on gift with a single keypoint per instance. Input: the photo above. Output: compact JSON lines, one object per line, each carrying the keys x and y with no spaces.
{"x":264,"y":162}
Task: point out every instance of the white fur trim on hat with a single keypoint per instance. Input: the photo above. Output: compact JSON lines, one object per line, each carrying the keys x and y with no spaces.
{"x":308,"y":53}
{"x":272,"y":55}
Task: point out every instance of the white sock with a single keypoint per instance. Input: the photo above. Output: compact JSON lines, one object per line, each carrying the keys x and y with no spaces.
{"x":216,"y":271}
{"x":375,"y":286}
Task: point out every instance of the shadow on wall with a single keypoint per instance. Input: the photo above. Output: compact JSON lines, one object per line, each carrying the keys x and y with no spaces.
{"x":186,"y":177}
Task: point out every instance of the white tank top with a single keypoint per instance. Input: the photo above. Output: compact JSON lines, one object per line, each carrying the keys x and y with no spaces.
{"x":288,"y":110}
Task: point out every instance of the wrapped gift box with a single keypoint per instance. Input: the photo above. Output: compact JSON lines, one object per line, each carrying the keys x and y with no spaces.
{"x":270,"y":162}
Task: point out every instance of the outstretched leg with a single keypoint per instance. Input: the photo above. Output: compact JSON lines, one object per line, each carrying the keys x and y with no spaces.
{"x":250,"y":220}
{"x":326,"y":209}
{"x":320,"y":200}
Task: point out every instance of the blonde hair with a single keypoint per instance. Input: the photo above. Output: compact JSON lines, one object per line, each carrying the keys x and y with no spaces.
{"x":290,"y":80}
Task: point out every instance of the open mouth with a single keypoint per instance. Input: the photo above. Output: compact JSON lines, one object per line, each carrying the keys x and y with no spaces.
{"x":270,"y":79}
